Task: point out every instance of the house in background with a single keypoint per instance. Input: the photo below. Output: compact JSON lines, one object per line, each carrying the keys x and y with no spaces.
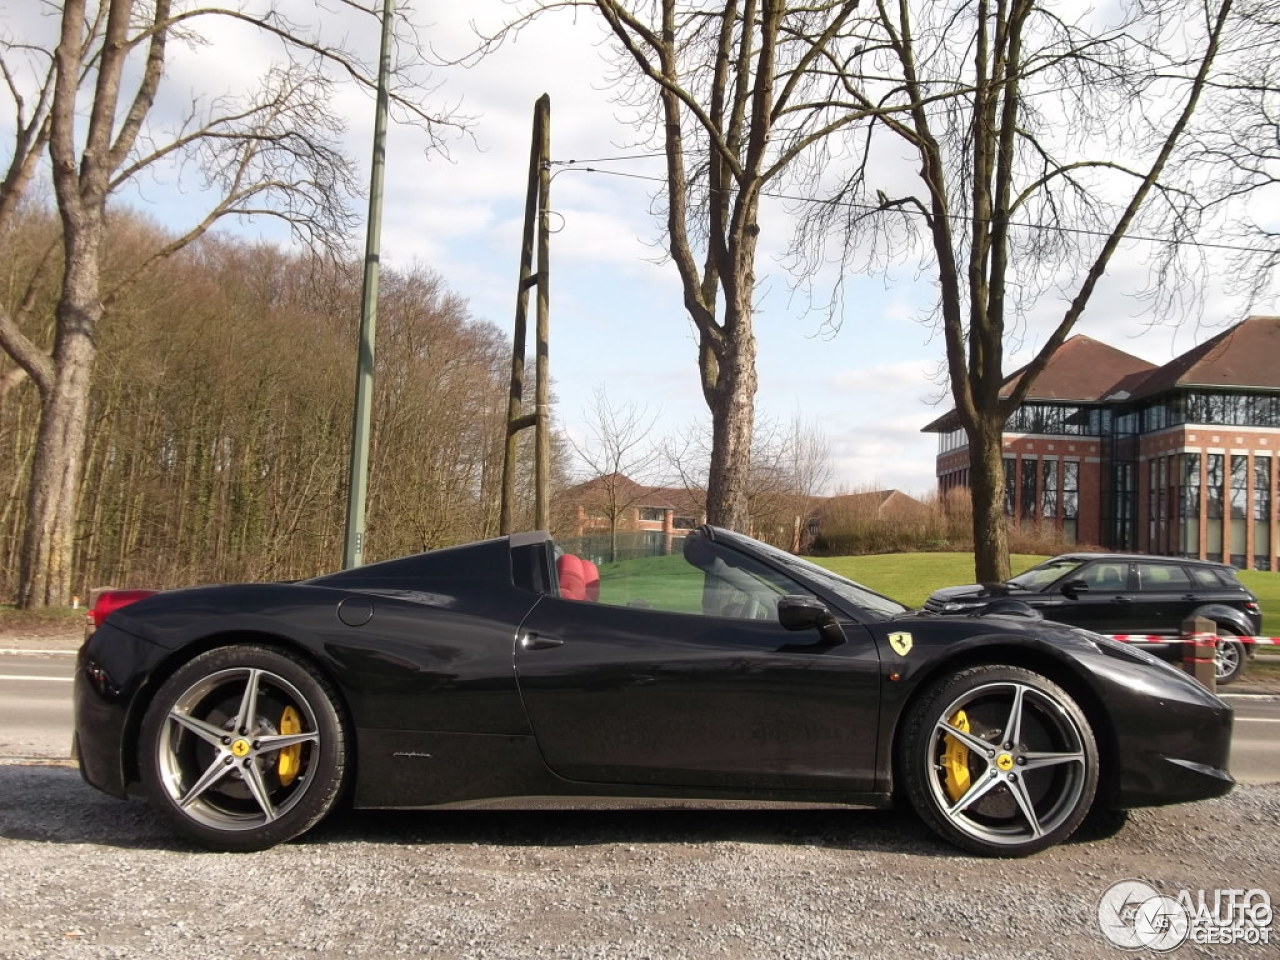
{"x":613,"y":516}
{"x":651,"y":519}
{"x":1177,"y":460}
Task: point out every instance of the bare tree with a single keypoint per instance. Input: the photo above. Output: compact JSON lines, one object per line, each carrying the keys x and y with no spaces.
{"x":733,"y":93}
{"x":621,"y":456}
{"x":1233,"y":150}
{"x":790,"y":468}
{"x":88,"y":101}
{"x":1037,"y":140}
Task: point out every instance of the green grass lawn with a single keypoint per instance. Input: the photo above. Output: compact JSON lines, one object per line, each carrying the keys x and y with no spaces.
{"x":910,"y":577}
{"x":663,"y":583}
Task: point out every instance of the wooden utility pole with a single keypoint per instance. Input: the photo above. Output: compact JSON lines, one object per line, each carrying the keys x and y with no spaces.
{"x":536,"y":217}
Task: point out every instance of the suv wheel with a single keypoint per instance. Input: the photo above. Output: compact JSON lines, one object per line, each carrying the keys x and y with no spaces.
{"x":1228,"y":659}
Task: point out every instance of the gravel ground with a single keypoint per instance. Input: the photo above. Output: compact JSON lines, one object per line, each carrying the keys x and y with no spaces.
{"x":83,"y":875}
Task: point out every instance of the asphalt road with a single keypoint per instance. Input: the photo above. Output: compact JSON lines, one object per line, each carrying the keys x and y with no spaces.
{"x":36,"y":717}
{"x":35,"y":706}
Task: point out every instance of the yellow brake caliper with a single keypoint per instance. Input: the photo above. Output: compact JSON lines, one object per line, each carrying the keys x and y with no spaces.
{"x":290,"y":763}
{"x":955,"y":758}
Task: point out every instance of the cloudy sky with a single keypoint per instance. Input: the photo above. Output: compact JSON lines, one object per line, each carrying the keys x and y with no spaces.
{"x":617,"y":320}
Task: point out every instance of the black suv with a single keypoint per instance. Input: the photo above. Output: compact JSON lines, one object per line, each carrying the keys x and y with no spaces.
{"x":1117,"y":593}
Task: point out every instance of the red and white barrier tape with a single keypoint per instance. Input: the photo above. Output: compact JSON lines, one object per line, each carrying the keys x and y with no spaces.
{"x":1164,"y":638}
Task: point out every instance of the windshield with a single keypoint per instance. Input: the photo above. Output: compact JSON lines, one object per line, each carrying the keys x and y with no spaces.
{"x":1047,"y":572}
{"x":855,"y":593}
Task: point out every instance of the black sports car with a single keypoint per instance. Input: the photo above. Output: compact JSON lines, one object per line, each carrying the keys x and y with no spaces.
{"x":727,"y":670}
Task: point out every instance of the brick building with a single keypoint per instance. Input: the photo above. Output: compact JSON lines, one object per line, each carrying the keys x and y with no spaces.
{"x":1179,"y":460}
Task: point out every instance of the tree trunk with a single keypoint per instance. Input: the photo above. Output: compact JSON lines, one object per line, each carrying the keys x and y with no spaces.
{"x":49,"y":539}
{"x":732,"y":400}
{"x":990,"y":529}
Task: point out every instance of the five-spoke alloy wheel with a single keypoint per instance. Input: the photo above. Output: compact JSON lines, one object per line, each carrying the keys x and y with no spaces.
{"x":1228,"y":659}
{"x":243,"y":747}
{"x":999,"y":761}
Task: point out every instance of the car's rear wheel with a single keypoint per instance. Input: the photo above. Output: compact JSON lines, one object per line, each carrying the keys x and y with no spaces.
{"x":1228,"y":659}
{"x":999,"y":761}
{"x":243,"y":748}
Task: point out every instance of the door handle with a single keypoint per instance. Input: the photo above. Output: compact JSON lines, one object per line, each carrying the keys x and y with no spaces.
{"x":1122,"y":599}
{"x":539,"y":641}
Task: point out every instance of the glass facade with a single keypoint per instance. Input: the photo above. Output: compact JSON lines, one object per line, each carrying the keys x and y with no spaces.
{"x":1199,"y":406}
{"x":1056,"y":419}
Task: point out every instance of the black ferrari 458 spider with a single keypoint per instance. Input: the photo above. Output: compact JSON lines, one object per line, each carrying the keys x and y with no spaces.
{"x":727,"y":670}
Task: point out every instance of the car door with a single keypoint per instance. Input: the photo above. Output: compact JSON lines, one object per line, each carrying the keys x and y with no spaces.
{"x":691,"y":682}
{"x":1104,"y":605}
{"x":1163,"y":597}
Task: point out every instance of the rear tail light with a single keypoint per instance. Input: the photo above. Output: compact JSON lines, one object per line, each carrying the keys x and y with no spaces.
{"x":110,"y":601}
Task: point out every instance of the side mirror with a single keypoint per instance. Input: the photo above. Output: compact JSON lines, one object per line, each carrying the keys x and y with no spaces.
{"x":1073,"y":588}
{"x":800,"y":612}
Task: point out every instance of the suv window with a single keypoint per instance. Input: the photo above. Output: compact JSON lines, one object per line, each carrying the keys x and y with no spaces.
{"x":1110,"y":575}
{"x":1209,"y":578}
{"x":1162,"y":576}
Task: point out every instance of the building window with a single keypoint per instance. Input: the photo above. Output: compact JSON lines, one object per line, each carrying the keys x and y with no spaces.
{"x":1262,"y":513}
{"x":1070,"y":499}
{"x":1155,"y":504}
{"x":1010,"y":484}
{"x":1239,"y":510}
{"x":1190,"y":513}
{"x":1029,"y":472}
{"x":652,"y":514}
{"x":1164,"y":497}
{"x":1214,"y":477}
{"x":1049,"y":491}
{"x":1122,"y":523}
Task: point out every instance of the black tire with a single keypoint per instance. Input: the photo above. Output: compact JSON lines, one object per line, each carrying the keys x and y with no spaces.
{"x":999,"y":761}
{"x":1228,"y":659}
{"x":214,"y":759}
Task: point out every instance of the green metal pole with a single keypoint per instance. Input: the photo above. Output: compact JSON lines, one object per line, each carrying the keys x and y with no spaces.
{"x":353,"y":552}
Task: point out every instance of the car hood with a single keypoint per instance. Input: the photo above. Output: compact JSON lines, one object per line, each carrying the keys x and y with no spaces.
{"x":980,"y":591}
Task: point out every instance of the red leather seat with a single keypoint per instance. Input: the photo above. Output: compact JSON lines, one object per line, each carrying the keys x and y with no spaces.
{"x":573,"y":581}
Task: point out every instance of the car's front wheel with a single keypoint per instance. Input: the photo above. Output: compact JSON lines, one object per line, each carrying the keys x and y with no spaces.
{"x":999,"y":761}
{"x":1228,"y":659}
{"x":243,"y":748}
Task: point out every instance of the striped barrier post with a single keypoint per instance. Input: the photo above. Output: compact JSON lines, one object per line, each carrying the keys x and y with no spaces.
{"x":1199,"y":642}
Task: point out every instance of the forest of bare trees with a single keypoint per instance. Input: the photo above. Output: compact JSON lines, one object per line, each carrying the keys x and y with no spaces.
{"x":218,"y":445}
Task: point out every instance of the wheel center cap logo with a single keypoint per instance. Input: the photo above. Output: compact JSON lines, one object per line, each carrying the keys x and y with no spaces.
{"x":1005,"y":762}
{"x":240,"y":748}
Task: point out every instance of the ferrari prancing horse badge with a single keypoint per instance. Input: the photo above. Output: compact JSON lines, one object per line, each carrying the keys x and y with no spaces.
{"x":901,"y":643}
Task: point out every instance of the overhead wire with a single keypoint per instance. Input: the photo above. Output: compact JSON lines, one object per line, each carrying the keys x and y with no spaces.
{"x":955,"y":218}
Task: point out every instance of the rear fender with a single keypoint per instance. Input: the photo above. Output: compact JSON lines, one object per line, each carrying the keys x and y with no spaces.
{"x":1235,"y":621}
